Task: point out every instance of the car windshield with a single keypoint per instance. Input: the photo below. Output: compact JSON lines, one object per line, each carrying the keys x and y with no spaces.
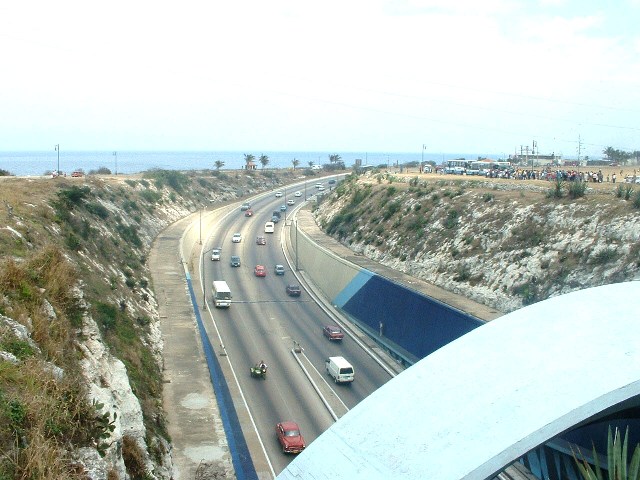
{"x":292,"y":433}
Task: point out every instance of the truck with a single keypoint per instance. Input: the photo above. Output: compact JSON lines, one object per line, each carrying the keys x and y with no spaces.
{"x":221,"y":294}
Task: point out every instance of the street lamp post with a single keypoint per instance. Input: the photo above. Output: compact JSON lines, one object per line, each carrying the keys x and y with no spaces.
{"x":57,"y":148}
{"x":115,"y":154}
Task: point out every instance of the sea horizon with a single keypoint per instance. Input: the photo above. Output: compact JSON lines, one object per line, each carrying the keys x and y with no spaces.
{"x":39,"y":163}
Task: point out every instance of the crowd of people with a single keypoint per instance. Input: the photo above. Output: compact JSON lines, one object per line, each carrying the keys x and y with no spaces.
{"x":551,"y":173}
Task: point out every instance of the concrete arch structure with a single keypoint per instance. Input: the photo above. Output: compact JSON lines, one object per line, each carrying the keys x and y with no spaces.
{"x":487,"y":398}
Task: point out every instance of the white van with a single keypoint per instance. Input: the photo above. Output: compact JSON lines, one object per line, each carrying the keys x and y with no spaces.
{"x":221,"y":294}
{"x":269,"y":227}
{"x":339,"y":369}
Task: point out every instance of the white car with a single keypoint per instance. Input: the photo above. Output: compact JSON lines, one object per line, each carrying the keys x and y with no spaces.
{"x":297,"y":194}
{"x":215,"y":254}
{"x":237,"y":238}
{"x":278,"y":194}
{"x":290,"y":201}
{"x":318,"y":185}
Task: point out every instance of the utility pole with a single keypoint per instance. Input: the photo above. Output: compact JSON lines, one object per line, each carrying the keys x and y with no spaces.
{"x":115,"y":154}
{"x":579,"y":148}
{"x":57,"y":147}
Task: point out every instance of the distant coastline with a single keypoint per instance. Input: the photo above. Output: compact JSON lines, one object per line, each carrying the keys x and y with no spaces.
{"x":36,"y":163}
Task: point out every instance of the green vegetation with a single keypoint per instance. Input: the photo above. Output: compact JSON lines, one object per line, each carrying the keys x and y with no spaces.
{"x":617,"y":466}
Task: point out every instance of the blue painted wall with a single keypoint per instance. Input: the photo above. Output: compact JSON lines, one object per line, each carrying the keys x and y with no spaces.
{"x":415,"y":322}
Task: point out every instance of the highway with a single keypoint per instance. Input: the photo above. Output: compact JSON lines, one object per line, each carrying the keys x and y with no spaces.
{"x":263,"y":323}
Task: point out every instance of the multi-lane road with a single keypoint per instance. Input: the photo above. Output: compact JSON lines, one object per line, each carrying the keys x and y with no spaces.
{"x":264,"y":323}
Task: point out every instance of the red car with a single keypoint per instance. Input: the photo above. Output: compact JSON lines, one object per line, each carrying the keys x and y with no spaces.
{"x":290,"y":437}
{"x":332,"y":332}
{"x":248,"y":213}
{"x":260,"y":271}
{"x":261,"y":240}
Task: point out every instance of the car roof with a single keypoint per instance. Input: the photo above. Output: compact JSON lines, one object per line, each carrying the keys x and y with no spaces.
{"x":289,"y":425}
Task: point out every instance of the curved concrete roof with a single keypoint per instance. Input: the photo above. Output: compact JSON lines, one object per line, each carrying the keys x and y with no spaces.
{"x":485,"y":399}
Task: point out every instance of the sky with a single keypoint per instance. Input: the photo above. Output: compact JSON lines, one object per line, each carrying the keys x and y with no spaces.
{"x":494,"y":76}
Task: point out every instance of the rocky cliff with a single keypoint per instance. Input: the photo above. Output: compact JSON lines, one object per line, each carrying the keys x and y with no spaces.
{"x":80,"y":346}
{"x":503,"y":243}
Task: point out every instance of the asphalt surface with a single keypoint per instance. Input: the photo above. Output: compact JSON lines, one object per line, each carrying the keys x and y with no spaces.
{"x":199,"y":443}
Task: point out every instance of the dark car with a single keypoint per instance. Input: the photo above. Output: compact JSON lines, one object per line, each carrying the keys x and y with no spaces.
{"x":245,"y":206}
{"x":235,"y":261}
{"x":290,"y":438}
{"x":332,"y":332}
{"x":279,"y":269}
{"x":275,"y":219}
{"x":261,"y":240}
{"x":248,"y":213}
{"x":283,"y":208}
{"x":293,"y":290}
{"x":276,"y":213}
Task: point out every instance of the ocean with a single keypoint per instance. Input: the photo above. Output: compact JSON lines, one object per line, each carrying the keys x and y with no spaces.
{"x":128,"y":162}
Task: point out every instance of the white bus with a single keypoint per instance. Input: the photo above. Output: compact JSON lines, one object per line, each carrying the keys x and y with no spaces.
{"x":221,"y":294}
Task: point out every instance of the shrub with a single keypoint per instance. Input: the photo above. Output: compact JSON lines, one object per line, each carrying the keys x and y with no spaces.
{"x":636,"y":200}
{"x":451,"y":221}
{"x":528,"y":292}
{"x":391,"y":209}
{"x":151,"y":196}
{"x":74,"y":196}
{"x":556,"y":190}
{"x":604,"y":256}
{"x":97,"y":209}
{"x":129,"y":234}
{"x":577,"y":189}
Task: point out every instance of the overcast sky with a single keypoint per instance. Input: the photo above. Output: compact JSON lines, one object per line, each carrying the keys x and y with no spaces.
{"x":337,"y":75}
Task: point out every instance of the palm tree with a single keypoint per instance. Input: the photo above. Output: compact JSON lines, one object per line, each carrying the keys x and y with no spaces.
{"x":248,"y":158}
{"x":219,"y":164}
{"x":335,"y":158}
{"x":295,"y":163}
{"x":264,"y":160}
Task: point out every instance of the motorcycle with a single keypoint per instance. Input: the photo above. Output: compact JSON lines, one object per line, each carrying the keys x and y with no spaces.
{"x":259,"y":371}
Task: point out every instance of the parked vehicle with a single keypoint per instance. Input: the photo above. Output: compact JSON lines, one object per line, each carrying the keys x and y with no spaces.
{"x":221,"y":294}
{"x":333,"y":332}
{"x":290,"y":438}
{"x":339,"y":369}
